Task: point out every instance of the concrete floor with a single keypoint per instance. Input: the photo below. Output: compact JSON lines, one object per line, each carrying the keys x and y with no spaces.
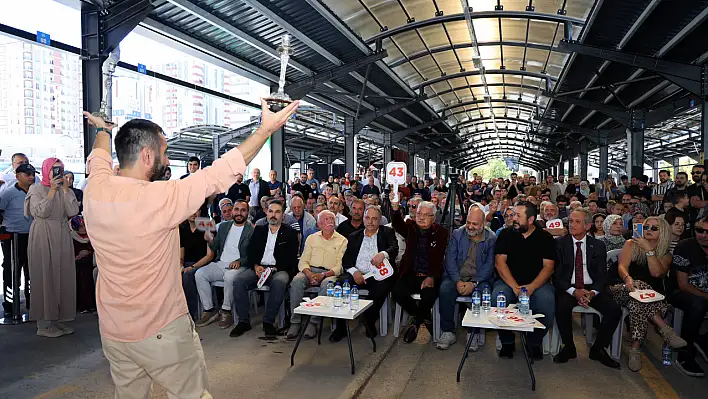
{"x":249,"y":367}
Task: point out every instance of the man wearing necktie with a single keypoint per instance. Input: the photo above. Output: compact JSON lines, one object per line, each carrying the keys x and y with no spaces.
{"x":580,"y":279}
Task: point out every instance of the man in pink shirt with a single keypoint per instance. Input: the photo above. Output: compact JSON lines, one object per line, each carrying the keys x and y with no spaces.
{"x":132,"y":221}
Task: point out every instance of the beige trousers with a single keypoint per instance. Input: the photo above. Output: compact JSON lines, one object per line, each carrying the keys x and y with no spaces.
{"x":173,"y":358}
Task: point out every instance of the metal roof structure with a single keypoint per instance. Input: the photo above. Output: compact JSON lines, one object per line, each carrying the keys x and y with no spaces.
{"x":462,"y":80}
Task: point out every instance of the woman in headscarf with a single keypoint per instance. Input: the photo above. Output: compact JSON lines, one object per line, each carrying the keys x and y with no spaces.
{"x":84,"y":255}
{"x":51,"y":251}
{"x":643,"y":263}
{"x":585,"y":188}
{"x":613,"y":238}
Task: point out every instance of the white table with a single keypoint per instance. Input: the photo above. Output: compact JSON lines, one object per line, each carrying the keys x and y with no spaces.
{"x":330,"y":311}
{"x":473,"y":322}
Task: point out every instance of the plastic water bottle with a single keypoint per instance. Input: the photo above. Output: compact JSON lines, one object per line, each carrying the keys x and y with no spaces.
{"x":354,"y":303}
{"x":666,"y":355}
{"x":330,"y":288}
{"x":486,"y":298}
{"x":337,"y":296}
{"x":346,"y":292}
{"x":524,"y":302}
{"x":501,"y":305}
{"x":476,"y":302}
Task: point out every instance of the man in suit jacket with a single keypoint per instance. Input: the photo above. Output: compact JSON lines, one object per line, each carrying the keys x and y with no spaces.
{"x":366,"y":250}
{"x":422,"y":267}
{"x":273,"y":246}
{"x":226,"y":258}
{"x":578,"y":251}
{"x":258,"y":188}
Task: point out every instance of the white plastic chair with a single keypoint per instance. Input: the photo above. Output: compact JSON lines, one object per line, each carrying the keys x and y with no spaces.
{"x":613,"y":256}
{"x":589,"y":330}
{"x":458,"y":301}
{"x":402,"y":314}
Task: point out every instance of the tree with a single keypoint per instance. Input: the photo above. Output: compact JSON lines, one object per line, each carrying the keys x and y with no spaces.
{"x":494,"y":168}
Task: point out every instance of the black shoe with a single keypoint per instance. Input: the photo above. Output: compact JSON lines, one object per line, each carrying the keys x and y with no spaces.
{"x":411,"y":334}
{"x":7,"y":307}
{"x":701,"y":345}
{"x":689,"y":367}
{"x":601,"y":355}
{"x":535,"y":353}
{"x":565,"y":354}
{"x":337,"y":335}
{"x":507,"y":351}
{"x":269,"y":330}
{"x":239,"y":330}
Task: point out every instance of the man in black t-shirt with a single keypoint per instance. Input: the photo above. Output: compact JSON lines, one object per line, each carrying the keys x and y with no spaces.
{"x":239,"y":191}
{"x":697,"y":193}
{"x":192,"y":244}
{"x":690,"y":268}
{"x":302,"y":187}
{"x":525,"y":257}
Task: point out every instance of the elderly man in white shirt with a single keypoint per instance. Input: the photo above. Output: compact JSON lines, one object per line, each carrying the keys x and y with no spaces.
{"x":366,"y":250}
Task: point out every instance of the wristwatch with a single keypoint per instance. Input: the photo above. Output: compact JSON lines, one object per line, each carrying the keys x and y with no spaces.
{"x":650,"y":253}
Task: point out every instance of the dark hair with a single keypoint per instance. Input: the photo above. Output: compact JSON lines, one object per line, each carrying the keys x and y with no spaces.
{"x":624,"y":177}
{"x":591,"y":201}
{"x":168,"y":168}
{"x":297,"y":194}
{"x":133,"y":136}
{"x":677,"y":195}
{"x":194,"y":159}
{"x":671,"y":216}
{"x":644,"y":179}
{"x":682,"y":173}
{"x":277,"y":202}
{"x":561,"y":198}
{"x":530,"y":209}
{"x":593,"y":229}
{"x":665,"y":171}
{"x":243,"y":201}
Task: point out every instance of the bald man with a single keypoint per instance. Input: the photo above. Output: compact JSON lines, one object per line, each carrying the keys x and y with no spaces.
{"x":258,"y":188}
{"x":469,"y":263}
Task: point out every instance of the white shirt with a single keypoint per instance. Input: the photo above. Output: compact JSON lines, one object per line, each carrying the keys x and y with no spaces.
{"x":231,"y":251}
{"x":369,"y":248}
{"x":339,"y":218}
{"x":587,"y":280}
{"x":10,"y":179}
{"x":269,"y":253}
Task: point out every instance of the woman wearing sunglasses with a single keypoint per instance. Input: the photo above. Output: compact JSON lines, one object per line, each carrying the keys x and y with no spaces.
{"x":643,"y":263}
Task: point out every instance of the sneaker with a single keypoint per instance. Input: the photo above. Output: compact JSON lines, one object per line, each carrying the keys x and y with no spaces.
{"x":226,"y":319}
{"x":207,"y":318}
{"x":445,"y":340}
{"x":66,"y":329}
{"x":269,"y":330}
{"x":507,"y":351}
{"x":239,"y":330}
{"x":310,"y":331}
{"x":411,"y":333}
{"x":50,"y":332}
{"x":293,"y":331}
{"x":635,"y":359}
{"x":671,"y":338}
{"x":689,"y":367}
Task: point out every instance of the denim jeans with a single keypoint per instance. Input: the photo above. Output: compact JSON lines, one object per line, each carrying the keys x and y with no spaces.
{"x":189,"y":285}
{"x":543,"y":300}
{"x":448,"y":297}
{"x":246,"y":281}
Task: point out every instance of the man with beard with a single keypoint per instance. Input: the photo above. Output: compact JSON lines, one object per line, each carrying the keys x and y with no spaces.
{"x":142,"y":311}
{"x":302,"y":187}
{"x":226,"y":258}
{"x":680,"y":185}
{"x":661,"y":189}
{"x":697,"y":193}
{"x":239,"y":191}
{"x":691,"y":296}
{"x":273,"y":246}
{"x":469,"y":263}
{"x":305,"y":221}
{"x":525,"y":257}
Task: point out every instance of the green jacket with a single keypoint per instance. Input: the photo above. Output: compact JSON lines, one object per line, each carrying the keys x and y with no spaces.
{"x":217,"y":246}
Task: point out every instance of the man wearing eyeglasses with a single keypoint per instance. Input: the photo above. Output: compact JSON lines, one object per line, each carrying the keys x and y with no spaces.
{"x":691,"y":295}
{"x":421,"y":268}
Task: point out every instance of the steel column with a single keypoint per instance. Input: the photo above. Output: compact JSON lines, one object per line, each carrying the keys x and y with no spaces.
{"x":604,"y":158}
{"x":350,"y":144}
{"x":571,"y":166}
{"x":635,"y":144}
{"x":303,"y":162}
{"x":704,"y":128}
{"x":92,"y":46}
{"x":583,"y":160}
{"x":411,"y":160}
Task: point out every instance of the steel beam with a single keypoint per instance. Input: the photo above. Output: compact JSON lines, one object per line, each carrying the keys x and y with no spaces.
{"x":398,"y":136}
{"x":369,"y":117}
{"x":686,"y":76}
{"x":301,"y":88}
{"x":459,"y":46}
{"x":616,"y":113}
{"x":121,"y":18}
{"x":443,"y":19}
{"x":477,"y":72}
{"x":493,"y":100}
{"x":485,"y":120}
